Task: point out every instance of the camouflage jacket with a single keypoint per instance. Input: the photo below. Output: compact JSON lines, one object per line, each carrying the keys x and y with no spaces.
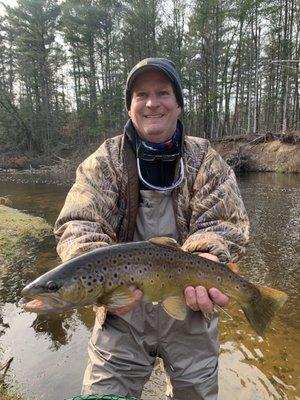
{"x":101,"y":207}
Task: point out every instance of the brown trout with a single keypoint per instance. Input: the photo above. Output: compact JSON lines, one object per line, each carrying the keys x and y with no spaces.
{"x":158,"y":267}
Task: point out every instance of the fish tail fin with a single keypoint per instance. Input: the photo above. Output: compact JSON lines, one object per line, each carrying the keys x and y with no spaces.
{"x":260,"y":311}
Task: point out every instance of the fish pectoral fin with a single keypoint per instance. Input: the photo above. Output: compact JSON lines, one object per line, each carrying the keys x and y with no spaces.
{"x":165,"y":242}
{"x":175,"y":306}
{"x":120,"y":297}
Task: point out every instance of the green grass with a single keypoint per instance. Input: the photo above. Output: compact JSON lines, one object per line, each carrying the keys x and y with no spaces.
{"x":18,"y":233}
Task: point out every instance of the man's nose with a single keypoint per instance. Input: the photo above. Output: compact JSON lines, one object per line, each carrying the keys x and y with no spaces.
{"x":152,"y":101}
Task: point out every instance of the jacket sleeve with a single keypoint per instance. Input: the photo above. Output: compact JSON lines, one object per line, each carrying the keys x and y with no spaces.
{"x":219,"y":223}
{"x":90,"y":215}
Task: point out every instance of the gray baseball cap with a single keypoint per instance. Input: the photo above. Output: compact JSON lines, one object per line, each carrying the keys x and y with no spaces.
{"x":161,"y":64}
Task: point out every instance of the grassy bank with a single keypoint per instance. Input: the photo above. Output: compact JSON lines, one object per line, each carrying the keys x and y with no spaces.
{"x":19,"y":233}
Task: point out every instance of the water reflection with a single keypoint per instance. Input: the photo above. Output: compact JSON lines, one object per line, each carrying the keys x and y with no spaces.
{"x":50,"y":352}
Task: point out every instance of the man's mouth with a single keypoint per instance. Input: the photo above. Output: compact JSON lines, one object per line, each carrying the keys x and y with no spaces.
{"x":154,"y":116}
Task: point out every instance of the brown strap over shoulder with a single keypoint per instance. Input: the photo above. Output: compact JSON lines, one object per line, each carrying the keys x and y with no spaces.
{"x":132,"y":188}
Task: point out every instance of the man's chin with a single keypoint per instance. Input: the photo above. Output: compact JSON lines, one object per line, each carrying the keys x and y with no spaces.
{"x":156,"y":135}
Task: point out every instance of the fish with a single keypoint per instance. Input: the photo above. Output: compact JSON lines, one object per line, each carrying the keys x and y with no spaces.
{"x":160,"y":269}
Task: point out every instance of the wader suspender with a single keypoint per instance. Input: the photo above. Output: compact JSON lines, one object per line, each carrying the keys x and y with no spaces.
{"x":132,"y":188}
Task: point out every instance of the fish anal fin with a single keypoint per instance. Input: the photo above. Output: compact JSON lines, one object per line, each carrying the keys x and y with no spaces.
{"x":175,"y":306}
{"x":120,"y":297}
{"x":164,"y":242}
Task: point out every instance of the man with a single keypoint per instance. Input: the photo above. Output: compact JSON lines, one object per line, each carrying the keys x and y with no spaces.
{"x":155,"y":181}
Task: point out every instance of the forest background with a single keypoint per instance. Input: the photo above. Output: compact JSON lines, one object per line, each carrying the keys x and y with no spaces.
{"x":63,"y":66}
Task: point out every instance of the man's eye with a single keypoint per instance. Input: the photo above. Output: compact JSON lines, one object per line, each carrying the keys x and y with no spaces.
{"x":163,"y":93}
{"x":141,"y":95}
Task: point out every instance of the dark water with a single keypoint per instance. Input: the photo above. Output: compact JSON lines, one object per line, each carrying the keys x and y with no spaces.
{"x":50,"y":353}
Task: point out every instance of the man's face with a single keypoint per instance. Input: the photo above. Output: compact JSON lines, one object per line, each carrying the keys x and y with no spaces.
{"x":154,"y":110}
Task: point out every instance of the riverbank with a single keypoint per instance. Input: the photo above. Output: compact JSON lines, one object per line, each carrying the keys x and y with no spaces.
{"x":19,"y":235}
{"x":263,"y":153}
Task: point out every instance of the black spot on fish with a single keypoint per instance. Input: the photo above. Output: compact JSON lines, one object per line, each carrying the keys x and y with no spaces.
{"x":170,"y":276}
{"x":101,"y":278}
{"x":90,"y":290}
{"x":115,"y":275}
{"x":83,"y":277}
{"x":230,"y":276}
{"x":109,"y":283}
{"x":132,"y":279}
{"x":89,"y":283}
{"x":179,"y":270}
{"x":90,"y":265}
{"x":126,"y":267}
{"x":140,"y":271}
{"x":104,"y":269}
{"x":219,"y":278}
{"x":94,"y":280}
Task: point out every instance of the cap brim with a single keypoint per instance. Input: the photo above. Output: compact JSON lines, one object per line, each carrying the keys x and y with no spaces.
{"x":142,"y":69}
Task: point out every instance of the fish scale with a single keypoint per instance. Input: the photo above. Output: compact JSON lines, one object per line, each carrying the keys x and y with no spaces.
{"x":160,"y":268}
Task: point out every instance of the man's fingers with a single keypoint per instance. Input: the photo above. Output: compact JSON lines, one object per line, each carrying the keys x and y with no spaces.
{"x":190,"y":298}
{"x":204,"y":302}
{"x":218,"y":297}
{"x":198,"y":299}
{"x":208,"y":256}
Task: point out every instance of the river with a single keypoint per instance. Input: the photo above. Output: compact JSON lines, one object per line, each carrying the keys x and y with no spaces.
{"x":50,"y":352}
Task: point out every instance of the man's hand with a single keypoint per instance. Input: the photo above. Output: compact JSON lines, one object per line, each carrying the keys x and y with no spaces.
{"x":199,"y":299}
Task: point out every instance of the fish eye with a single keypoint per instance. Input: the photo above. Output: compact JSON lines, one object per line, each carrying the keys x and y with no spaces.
{"x":52,"y":286}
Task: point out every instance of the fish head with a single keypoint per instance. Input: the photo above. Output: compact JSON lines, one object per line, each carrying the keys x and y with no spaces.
{"x":62,"y":290}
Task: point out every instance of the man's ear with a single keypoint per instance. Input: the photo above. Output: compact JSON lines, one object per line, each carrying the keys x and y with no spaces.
{"x":129,"y":113}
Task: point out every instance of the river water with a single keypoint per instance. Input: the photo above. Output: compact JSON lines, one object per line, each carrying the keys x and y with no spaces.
{"x":50,"y":352}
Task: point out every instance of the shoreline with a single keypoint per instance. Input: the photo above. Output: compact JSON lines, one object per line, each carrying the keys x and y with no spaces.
{"x":265,"y":153}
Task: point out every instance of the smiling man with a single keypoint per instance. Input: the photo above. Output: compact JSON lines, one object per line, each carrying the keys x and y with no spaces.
{"x":155,"y":181}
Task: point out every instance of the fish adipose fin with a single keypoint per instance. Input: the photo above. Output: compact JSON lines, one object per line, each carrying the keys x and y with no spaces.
{"x":165,"y":242}
{"x":120,"y":297}
{"x":260,"y":311}
{"x":175,"y":306}
{"x":233,"y":267}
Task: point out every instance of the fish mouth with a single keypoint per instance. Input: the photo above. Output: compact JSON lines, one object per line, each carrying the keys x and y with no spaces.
{"x":44,"y":304}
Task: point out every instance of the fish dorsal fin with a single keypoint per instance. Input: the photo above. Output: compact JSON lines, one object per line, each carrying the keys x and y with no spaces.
{"x":119,"y":297}
{"x":175,"y":306}
{"x":165,"y":242}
